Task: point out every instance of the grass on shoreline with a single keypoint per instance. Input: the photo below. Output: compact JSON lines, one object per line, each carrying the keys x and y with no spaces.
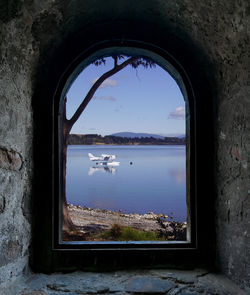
{"x":126,"y":233}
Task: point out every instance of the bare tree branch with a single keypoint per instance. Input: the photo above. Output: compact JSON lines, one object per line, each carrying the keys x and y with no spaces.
{"x":134,"y":62}
{"x":115,"y":58}
{"x":93,"y":89}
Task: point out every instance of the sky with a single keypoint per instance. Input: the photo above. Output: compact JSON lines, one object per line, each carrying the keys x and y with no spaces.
{"x":133,"y":100}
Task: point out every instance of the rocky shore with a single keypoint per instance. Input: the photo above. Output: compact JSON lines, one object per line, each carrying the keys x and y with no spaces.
{"x":93,"y":221}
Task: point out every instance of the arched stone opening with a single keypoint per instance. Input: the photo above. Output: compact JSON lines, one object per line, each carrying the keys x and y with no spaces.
{"x":60,"y":66}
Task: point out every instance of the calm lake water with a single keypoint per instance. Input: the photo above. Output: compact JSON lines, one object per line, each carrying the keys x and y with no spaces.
{"x":155,"y":182}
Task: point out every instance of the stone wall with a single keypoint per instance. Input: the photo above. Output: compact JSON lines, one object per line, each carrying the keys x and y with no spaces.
{"x":233,"y":146}
{"x":16,"y":56}
{"x":30,"y":30}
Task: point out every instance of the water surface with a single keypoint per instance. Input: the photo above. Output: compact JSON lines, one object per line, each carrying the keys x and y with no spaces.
{"x":155,"y":182}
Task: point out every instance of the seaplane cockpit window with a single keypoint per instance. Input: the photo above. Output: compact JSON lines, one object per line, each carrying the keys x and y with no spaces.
{"x":124,"y":154}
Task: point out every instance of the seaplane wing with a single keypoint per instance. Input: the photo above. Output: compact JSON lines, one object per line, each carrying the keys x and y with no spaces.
{"x":103,"y":157}
{"x":94,"y":158}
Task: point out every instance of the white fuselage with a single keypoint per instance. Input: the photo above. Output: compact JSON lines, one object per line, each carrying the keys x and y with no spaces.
{"x":104,"y":160}
{"x":103,"y":157}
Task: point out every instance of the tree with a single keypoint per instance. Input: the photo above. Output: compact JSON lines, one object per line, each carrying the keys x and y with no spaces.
{"x":67,"y":124}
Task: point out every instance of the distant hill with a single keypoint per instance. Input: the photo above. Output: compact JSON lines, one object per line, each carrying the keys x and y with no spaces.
{"x":138,"y":135}
{"x":118,"y":140}
{"x":178,"y":135}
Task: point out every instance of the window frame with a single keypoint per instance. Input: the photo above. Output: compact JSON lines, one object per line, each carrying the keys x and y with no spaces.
{"x":170,"y":65}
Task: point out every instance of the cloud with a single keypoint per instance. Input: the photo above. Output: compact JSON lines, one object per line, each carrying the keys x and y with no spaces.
{"x":178,"y":113}
{"x":107,"y":83}
{"x":110,"y":98}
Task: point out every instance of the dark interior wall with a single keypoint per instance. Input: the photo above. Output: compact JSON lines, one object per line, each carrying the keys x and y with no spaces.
{"x":216,"y":32}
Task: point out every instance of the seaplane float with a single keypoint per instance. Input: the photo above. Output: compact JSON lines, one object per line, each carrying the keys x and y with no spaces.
{"x":104,"y":160}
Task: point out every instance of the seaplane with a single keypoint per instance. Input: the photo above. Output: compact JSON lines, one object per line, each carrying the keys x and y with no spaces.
{"x":104,"y":160}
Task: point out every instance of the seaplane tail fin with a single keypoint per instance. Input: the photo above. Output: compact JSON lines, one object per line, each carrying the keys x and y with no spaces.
{"x":91,"y":155}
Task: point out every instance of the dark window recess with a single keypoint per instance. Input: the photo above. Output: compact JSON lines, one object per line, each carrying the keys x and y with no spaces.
{"x":51,"y":251}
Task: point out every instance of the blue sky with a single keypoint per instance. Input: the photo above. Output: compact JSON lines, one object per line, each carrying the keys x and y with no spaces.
{"x":134,"y":100}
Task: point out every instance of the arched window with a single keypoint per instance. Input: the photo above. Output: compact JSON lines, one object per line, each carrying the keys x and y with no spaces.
{"x":157,"y":195}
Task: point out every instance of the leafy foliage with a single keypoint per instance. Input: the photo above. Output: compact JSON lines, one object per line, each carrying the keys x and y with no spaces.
{"x":116,"y":231}
{"x":142,"y":61}
{"x":137,"y":61}
{"x":99,"y":62}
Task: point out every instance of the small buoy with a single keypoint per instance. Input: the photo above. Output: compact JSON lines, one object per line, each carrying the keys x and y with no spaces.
{"x":131,"y":163}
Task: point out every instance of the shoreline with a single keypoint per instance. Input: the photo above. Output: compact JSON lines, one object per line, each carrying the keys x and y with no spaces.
{"x":93,"y":221}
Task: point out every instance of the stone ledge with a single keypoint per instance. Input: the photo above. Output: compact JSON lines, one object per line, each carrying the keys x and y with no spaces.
{"x":148,"y":285}
{"x":168,"y":282}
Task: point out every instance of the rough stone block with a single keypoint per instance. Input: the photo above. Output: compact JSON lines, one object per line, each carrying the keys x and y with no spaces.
{"x":2,"y":204}
{"x":148,"y":284}
{"x":13,"y":250}
{"x":180,"y":276}
{"x":32,"y":293}
{"x":78,"y":287}
{"x":10,"y":251}
{"x":189,"y":293}
{"x":10,"y":160}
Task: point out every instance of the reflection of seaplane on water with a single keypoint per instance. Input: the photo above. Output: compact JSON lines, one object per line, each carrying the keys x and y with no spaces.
{"x":103,"y":169}
{"x":104,"y":160}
